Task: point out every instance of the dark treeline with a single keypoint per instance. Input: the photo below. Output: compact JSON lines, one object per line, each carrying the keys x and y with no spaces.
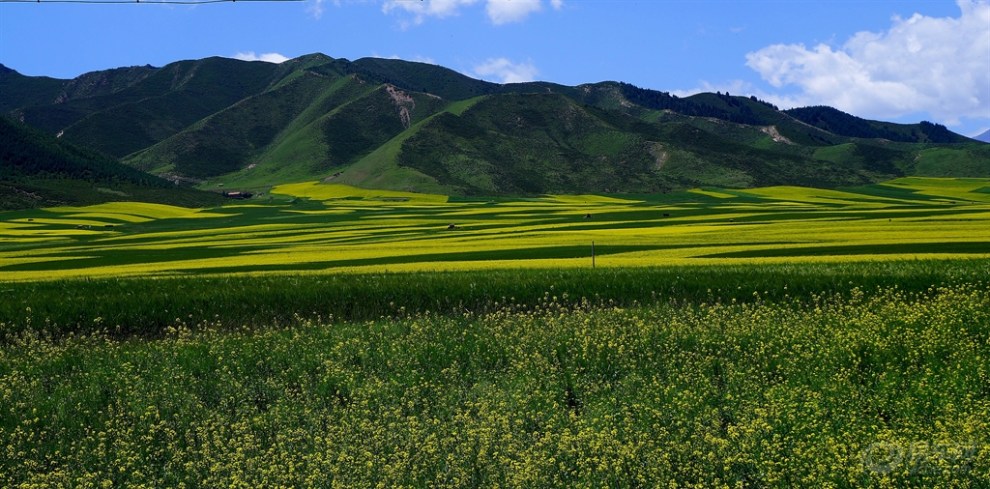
{"x":733,"y":109}
{"x":843,"y":124}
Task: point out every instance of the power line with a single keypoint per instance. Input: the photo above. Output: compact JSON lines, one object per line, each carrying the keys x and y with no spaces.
{"x":151,"y":2}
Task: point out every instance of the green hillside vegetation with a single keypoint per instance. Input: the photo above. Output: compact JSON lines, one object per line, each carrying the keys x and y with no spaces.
{"x":423,"y":77}
{"x":843,"y":124}
{"x":547,"y":143}
{"x":17,"y":90}
{"x":381,"y":169}
{"x":152,"y":107}
{"x":725,"y":107}
{"x":390,"y":124}
{"x":38,"y":170}
{"x":226,"y":141}
{"x":965,"y":161}
{"x":330,"y":123}
{"x":528,"y":144}
{"x":299,"y":151}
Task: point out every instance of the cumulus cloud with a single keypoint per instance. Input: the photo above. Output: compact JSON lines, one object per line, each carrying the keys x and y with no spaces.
{"x":506,"y":11}
{"x":315,"y":8}
{"x":921,"y":64}
{"x":266,"y":57}
{"x":502,"y":70}
{"x":498,"y":11}
{"x":427,"y":8}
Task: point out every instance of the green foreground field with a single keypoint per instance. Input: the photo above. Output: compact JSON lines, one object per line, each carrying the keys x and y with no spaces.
{"x":780,"y":337}
{"x":848,"y":387}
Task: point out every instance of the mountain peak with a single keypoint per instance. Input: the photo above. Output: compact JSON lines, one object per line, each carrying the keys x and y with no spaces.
{"x":311,"y":58}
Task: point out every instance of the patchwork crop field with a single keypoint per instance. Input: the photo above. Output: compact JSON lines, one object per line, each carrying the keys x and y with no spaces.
{"x":326,"y":336}
{"x":310,"y":228}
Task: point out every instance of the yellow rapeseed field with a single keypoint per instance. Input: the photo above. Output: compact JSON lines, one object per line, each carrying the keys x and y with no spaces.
{"x":336,"y":228}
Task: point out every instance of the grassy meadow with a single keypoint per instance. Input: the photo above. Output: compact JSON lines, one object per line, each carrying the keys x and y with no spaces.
{"x":326,"y":336}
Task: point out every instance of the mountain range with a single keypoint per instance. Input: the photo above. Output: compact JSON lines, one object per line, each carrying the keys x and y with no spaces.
{"x":381,"y":123}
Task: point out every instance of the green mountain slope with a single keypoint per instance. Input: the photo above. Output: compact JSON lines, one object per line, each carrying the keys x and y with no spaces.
{"x":415,"y":126}
{"x":226,"y":140}
{"x":17,"y":90}
{"x":843,"y":124}
{"x":423,"y":77}
{"x":530,"y":143}
{"x":38,"y":170}
{"x":149,"y":107}
{"x":313,"y":124}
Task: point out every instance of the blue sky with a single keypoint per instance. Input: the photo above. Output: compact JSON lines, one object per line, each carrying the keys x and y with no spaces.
{"x":901,"y":60}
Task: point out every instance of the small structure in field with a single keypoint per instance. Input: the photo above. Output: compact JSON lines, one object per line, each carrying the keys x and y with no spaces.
{"x":451,"y":227}
{"x":238,"y":195}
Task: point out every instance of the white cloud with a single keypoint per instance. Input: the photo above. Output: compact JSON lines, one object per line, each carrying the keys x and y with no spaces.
{"x":499,"y":11}
{"x":426,"y":8}
{"x":502,"y":70}
{"x":921,"y":64}
{"x":266,"y":57}
{"x":315,"y":8}
{"x":506,"y":11}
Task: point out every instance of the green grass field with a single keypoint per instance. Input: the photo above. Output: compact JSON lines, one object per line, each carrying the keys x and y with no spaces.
{"x":338,"y":337}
